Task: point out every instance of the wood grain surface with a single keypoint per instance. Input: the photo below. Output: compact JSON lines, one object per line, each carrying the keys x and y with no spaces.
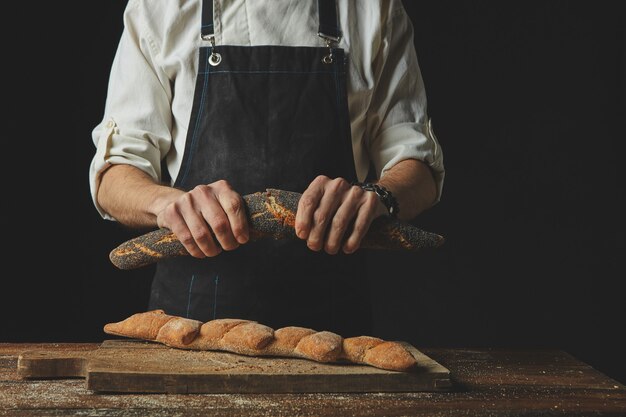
{"x":144,"y":367}
{"x":486,"y":382}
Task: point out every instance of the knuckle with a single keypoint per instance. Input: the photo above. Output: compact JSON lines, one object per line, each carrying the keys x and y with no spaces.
{"x":356,"y":191}
{"x":213,"y":251}
{"x":185,"y":199}
{"x":340,"y":223}
{"x":201,"y":234}
{"x":234,"y":205}
{"x":238,"y":230}
{"x":185,"y":238}
{"x":220,"y":184}
{"x":371,"y":199}
{"x":331,"y":248}
{"x":313,"y":244}
{"x":307,"y":201}
{"x":229,"y":246}
{"x":319,"y":217}
{"x":336,"y":185}
{"x":170,"y":213}
{"x":321,"y":178}
{"x":199,"y":192}
{"x":348,"y":247}
{"x":341,"y":182}
{"x":220,"y":226}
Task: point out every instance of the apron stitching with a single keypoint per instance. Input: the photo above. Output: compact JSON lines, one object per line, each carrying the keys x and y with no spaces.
{"x":193,"y":277}
{"x":202,"y":130}
{"x":195,"y":130}
{"x":337,"y":89}
{"x":217,"y":279}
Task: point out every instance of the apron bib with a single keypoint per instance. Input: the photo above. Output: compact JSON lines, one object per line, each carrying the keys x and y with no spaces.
{"x":269,"y":117}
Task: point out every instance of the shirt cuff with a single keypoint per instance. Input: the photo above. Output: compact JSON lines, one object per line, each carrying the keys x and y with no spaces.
{"x":113,"y":147}
{"x":410,"y":141}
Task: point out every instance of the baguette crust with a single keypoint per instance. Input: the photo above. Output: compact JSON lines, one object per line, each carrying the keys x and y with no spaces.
{"x":271,"y":215}
{"x":250,"y":338}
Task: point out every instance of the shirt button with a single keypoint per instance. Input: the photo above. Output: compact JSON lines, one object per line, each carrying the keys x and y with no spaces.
{"x":110,"y":124}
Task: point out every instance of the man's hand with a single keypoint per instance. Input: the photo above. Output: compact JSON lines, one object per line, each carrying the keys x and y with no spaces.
{"x":334,"y":215}
{"x":216,"y":205}
{"x":325,"y":214}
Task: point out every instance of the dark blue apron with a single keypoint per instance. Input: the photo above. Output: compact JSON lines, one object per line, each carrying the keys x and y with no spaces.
{"x":269,"y":117}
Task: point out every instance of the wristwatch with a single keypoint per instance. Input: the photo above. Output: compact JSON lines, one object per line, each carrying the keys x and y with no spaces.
{"x":383,"y":194}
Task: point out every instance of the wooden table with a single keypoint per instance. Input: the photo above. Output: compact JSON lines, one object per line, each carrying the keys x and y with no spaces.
{"x":487,"y":382}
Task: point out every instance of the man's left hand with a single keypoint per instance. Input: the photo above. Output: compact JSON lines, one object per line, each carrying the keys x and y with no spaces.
{"x":329,"y":209}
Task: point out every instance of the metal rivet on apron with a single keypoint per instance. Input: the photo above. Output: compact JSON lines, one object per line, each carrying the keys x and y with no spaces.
{"x":328,"y":59}
{"x":269,"y":144}
{"x":215,"y":59}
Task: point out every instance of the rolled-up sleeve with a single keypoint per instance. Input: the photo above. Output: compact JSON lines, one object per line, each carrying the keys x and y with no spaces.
{"x":136,"y":127}
{"x":398,"y":124}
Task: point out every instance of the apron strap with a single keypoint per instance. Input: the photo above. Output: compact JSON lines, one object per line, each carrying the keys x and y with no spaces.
{"x":329,"y":25}
{"x":207,"y":19}
{"x":327,"y":9}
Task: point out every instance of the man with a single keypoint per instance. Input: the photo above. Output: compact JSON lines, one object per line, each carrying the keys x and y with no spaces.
{"x":238,"y":96}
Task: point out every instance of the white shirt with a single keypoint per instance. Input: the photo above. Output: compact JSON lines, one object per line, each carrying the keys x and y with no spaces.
{"x":153,"y":75}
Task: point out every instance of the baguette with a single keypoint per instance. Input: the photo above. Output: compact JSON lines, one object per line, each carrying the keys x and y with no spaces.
{"x":272,"y":214}
{"x":250,"y":338}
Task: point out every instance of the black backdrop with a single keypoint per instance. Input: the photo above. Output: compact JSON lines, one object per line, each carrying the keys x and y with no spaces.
{"x":528,"y":103}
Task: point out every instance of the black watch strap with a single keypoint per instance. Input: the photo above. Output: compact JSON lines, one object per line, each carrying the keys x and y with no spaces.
{"x":385,"y":196}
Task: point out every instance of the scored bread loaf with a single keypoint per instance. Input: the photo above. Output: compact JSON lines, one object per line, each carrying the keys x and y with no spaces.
{"x":272,"y":214}
{"x":250,"y":338}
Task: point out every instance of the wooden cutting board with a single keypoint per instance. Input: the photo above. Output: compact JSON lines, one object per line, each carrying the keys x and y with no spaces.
{"x":145,"y":367}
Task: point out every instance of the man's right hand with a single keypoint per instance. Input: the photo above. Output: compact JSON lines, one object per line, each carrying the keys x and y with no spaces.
{"x":193,"y":215}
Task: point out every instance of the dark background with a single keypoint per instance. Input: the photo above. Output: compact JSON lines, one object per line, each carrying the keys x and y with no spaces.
{"x":528,"y":102}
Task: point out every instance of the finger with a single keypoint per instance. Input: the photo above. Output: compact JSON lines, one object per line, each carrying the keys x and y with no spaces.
{"x":364,"y":218}
{"x":217,"y":219}
{"x":345,"y":214}
{"x":198,"y":228}
{"x":333,"y":195}
{"x":306,"y":206}
{"x":172,"y":218}
{"x":233,"y":206}
{"x":185,"y":237}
